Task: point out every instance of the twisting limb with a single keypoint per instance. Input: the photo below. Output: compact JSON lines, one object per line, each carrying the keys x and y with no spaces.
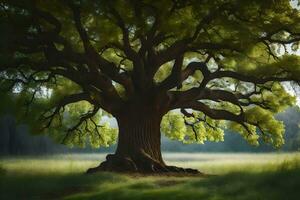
{"x":48,"y":119}
{"x":221,"y":114}
{"x":176,"y":77}
{"x":215,"y":113}
{"x":198,"y":120}
{"x":138,"y":74}
{"x":83,"y":119}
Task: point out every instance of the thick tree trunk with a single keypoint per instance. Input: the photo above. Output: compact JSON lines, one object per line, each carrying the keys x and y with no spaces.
{"x":141,"y":132}
{"x":139,"y":146}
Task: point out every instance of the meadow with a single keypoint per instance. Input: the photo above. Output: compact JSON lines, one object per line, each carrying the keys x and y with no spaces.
{"x":230,"y":176}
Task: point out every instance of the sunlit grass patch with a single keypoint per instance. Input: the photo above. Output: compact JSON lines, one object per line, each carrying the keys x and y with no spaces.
{"x":209,"y":163}
{"x":58,"y":164}
{"x":238,"y":162}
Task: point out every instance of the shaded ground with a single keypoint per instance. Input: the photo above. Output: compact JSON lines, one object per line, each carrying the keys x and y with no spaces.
{"x":263,"y":176}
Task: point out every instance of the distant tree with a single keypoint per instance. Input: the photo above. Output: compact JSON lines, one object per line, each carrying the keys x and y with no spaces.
{"x":218,"y":63}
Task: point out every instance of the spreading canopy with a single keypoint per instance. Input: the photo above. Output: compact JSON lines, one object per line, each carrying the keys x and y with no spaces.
{"x":216,"y":63}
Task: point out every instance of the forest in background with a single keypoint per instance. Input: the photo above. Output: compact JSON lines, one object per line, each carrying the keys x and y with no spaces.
{"x":16,"y":140}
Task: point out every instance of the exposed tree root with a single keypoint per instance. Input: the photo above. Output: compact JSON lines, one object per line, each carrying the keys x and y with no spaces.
{"x":140,"y":163}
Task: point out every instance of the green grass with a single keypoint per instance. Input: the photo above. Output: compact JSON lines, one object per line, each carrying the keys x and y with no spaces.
{"x":238,"y":176}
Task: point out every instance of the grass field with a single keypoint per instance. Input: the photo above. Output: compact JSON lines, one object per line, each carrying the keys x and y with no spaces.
{"x":235,"y":176}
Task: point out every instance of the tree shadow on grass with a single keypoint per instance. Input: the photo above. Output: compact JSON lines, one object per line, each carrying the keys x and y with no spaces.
{"x":51,"y":186}
{"x":280,"y":184}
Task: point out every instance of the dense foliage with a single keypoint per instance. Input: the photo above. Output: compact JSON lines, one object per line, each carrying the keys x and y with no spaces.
{"x":214,"y":64}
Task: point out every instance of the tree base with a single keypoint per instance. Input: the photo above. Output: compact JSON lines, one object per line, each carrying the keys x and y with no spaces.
{"x":141,"y":163}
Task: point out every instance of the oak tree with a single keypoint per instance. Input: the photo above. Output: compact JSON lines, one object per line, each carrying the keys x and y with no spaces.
{"x":187,"y":68}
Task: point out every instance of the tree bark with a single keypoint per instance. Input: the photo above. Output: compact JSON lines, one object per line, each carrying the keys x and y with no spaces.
{"x":139,"y":144}
{"x":139,"y":133}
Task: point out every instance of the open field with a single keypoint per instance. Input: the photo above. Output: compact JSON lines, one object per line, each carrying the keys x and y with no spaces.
{"x":238,"y":176}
